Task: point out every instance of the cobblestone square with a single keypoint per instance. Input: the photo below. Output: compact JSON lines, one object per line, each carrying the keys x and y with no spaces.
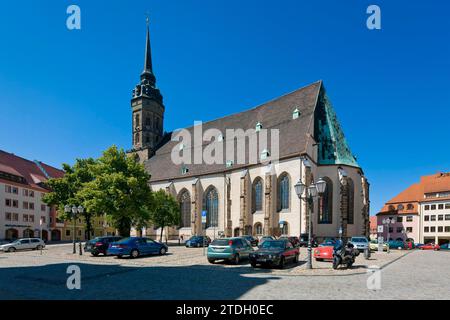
{"x":184,"y":273}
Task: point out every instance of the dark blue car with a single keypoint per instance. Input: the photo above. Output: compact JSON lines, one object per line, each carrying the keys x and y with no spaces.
{"x":198,"y":241}
{"x":135,"y":247}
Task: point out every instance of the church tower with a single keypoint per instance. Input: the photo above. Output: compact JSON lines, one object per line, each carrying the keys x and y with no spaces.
{"x":147,"y":110}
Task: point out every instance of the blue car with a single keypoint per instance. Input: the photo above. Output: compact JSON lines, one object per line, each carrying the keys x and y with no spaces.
{"x":135,"y":247}
{"x":198,"y":241}
{"x":445,"y":246}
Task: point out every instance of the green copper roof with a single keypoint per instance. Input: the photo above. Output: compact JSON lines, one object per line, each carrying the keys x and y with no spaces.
{"x":332,"y":145}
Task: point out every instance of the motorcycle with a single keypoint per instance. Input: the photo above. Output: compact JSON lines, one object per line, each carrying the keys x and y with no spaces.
{"x":344,"y":255}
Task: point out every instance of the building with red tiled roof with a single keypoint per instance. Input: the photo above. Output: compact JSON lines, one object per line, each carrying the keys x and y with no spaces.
{"x":420,"y":212}
{"x":22,"y":212}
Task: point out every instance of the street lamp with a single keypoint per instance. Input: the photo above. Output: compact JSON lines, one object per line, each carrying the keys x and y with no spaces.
{"x":314,"y":190}
{"x":74,"y":210}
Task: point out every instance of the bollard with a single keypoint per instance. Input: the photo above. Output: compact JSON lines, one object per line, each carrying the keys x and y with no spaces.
{"x":367,"y":253}
{"x":81,"y":250}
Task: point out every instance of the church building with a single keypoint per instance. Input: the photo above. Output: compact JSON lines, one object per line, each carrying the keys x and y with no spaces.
{"x":240,"y":196}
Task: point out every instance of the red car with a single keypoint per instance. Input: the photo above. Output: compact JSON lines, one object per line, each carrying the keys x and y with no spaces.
{"x":430,"y":246}
{"x":323,"y":253}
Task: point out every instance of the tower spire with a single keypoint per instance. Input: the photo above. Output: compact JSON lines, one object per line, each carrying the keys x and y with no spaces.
{"x":148,"y":51}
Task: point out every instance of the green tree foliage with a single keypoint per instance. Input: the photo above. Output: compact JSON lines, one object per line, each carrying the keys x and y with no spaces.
{"x":65,"y":190}
{"x":165,"y":211}
{"x":120,"y":190}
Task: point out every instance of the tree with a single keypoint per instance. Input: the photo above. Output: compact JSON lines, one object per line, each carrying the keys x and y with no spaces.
{"x":65,"y":190}
{"x":120,"y":190}
{"x":165,"y":211}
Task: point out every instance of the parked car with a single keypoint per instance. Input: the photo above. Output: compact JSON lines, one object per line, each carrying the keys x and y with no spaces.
{"x":418,"y":245}
{"x":99,"y":245}
{"x":253,"y":241}
{"x":265,"y":238}
{"x":274,"y":253}
{"x":396,"y":244}
{"x":430,"y":246}
{"x":373,"y":245}
{"x":445,"y":246}
{"x":135,"y":247}
{"x":325,"y":250}
{"x":360,"y":243}
{"x":303,"y":240}
{"x":23,"y":244}
{"x":198,"y":241}
{"x":229,"y":249}
{"x":294,"y":240}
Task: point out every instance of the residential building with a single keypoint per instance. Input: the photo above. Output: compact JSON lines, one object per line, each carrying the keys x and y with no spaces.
{"x":421,"y":212}
{"x":242,"y":196}
{"x":22,"y":211}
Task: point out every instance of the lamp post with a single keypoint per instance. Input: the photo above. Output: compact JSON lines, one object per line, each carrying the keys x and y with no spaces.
{"x":314,"y":190}
{"x":74,"y":210}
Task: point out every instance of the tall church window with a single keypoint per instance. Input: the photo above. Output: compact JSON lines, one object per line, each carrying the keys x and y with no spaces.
{"x":148,"y":121}
{"x":257,"y":198}
{"x":351,"y":202}
{"x":326,"y":203}
{"x":136,"y":138}
{"x":283,"y":192}
{"x":185,"y":208}
{"x":211,"y":206}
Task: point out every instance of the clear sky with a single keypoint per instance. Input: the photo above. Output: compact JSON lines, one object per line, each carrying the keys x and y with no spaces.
{"x":66,"y":94}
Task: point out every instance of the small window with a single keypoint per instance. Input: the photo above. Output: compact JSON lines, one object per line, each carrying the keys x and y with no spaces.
{"x":31,"y":218}
{"x":447,"y":217}
{"x":440,"y":229}
{"x":433,"y":229}
{"x":409,"y":219}
{"x":441,"y":217}
{"x":15,"y":203}
{"x":427,"y":218}
{"x":258,"y":127}
{"x":265,"y":154}
{"x":184,"y":170}
{"x":447,"y":229}
{"x":8,"y":189}
{"x":433,"y":218}
{"x":67,"y":233}
{"x":426,"y":229}
{"x":433,"y":207}
{"x":8,"y":216}
{"x":400,"y":207}
{"x":295,"y":114}
{"x":31,"y":206}
{"x":25,"y":205}
{"x":399,"y":219}
{"x":427,"y":207}
{"x":409,"y":229}
{"x":447,"y":206}
{"x":399,"y":229}
{"x":441,"y":206}
{"x":31,"y":194}
{"x":410,"y":206}
{"x":15,"y":190}
{"x":15,"y":217}
{"x":43,"y":207}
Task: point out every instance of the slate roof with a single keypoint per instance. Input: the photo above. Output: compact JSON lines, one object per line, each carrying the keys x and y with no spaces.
{"x":275,"y":114}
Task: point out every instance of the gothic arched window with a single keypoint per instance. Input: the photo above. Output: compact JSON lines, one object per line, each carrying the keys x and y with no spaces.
{"x":137,"y":120}
{"x":351,"y":202}
{"x":136,"y":138}
{"x":257,"y":198}
{"x":326,"y":203}
{"x":283,"y":192}
{"x":258,"y":229}
{"x":185,"y":208}
{"x":211,"y":206}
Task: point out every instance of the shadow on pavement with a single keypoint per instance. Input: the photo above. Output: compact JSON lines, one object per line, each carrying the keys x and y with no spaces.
{"x":115,"y":282}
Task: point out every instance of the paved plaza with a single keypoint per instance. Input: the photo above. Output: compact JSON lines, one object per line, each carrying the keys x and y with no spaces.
{"x":185,"y":274}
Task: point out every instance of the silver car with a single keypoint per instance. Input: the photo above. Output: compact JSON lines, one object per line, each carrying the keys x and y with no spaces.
{"x":23,"y":244}
{"x":360,"y":243}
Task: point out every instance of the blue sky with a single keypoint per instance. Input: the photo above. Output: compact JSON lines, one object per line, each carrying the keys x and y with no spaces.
{"x":66,"y":94}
